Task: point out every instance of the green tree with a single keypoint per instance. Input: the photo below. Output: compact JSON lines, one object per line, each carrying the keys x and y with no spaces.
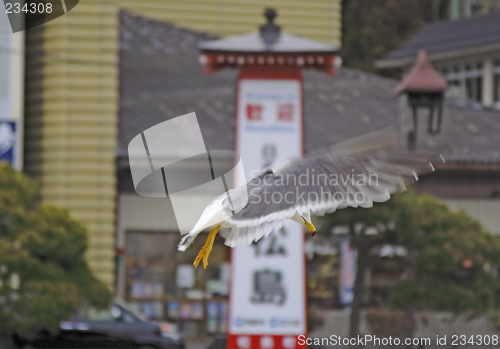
{"x":43,"y":273}
{"x":372,"y":29}
{"x":450,"y":264}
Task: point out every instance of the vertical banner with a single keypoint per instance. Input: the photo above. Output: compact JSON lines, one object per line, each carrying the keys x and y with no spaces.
{"x":8,"y":140}
{"x":267,"y":299}
{"x":347,"y":272}
{"x":11,"y":93}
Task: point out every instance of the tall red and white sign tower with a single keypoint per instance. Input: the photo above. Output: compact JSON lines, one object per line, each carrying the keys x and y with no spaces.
{"x":267,"y":294}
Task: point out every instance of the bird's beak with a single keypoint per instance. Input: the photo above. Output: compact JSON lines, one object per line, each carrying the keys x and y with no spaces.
{"x":311,"y":228}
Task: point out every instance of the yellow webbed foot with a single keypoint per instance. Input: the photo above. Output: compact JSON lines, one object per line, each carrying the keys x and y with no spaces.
{"x":206,"y":249}
{"x":200,"y":256}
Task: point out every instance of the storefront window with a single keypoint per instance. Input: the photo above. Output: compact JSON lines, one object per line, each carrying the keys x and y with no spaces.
{"x":162,"y":284}
{"x":322,"y":282}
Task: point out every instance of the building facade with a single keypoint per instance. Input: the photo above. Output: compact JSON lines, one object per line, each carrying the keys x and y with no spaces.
{"x":336,"y":108}
{"x":72,"y":96}
{"x":467,"y":8}
{"x":91,"y":88}
{"x":465,"y":51}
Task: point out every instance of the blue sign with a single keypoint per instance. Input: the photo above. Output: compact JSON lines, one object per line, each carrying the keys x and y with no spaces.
{"x":348,"y":258}
{"x":7,"y":141}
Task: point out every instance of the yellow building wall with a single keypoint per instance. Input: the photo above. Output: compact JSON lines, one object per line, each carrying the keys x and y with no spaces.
{"x":71,"y":120}
{"x":316,"y":19}
{"x":71,"y":100}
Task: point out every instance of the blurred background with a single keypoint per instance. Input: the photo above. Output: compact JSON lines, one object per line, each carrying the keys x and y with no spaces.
{"x":75,"y":91}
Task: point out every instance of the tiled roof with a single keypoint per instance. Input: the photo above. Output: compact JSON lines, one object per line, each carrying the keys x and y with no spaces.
{"x":456,"y":35}
{"x":160,"y":78}
{"x":253,"y":43}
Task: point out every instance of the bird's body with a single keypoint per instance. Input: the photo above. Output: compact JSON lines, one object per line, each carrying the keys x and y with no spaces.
{"x":354,"y":173}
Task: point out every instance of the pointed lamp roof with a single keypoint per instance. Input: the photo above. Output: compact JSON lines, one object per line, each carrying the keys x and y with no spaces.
{"x":422,"y":77}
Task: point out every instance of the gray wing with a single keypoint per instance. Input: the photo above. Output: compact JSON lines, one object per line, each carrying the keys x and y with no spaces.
{"x":355,"y":173}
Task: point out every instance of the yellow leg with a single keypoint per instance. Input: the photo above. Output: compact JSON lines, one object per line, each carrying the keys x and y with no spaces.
{"x":311,"y":228}
{"x":206,"y":249}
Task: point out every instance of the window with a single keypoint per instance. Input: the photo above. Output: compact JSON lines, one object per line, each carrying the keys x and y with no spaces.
{"x":128,"y":318}
{"x":90,"y":313}
{"x":474,"y":81}
{"x":455,"y":88}
{"x":162,"y":284}
{"x":466,"y":80}
{"x":454,"y":75}
{"x":473,"y":87}
{"x":496,"y":88}
{"x":496,"y":81}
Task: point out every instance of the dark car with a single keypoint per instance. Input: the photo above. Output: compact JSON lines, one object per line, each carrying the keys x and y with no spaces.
{"x":112,"y":327}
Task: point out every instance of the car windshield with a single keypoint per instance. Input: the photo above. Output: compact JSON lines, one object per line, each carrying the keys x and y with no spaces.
{"x":113,"y":312}
{"x":131,"y":309}
{"x":97,"y":314}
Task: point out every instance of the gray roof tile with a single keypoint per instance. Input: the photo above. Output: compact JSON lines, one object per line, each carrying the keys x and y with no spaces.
{"x":160,"y":78}
{"x":465,"y":33}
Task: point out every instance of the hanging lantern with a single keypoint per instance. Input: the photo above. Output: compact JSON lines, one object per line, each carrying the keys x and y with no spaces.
{"x":425,"y":89}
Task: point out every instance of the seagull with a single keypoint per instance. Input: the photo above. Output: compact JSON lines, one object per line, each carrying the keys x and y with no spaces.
{"x":353,"y":173}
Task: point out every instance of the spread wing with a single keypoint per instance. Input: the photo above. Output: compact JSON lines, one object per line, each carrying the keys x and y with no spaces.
{"x":355,"y":173}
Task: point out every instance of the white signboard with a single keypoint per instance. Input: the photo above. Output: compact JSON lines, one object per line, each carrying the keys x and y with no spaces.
{"x":268,"y":278}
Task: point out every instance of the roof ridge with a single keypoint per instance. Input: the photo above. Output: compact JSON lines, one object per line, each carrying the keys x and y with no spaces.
{"x":450,"y":36}
{"x":462,"y":19}
{"x":168,"y":23}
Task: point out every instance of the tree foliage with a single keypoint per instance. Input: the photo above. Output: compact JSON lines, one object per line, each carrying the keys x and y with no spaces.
{"x":456,"y":259}
{"x":43,"y":273}
{"x":372,"y":29}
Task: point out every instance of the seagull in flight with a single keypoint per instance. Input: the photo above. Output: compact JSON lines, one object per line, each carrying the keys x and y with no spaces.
{"x":353,"y":173}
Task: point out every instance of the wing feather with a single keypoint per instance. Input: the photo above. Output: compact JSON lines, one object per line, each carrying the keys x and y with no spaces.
{"x":353,"y":164}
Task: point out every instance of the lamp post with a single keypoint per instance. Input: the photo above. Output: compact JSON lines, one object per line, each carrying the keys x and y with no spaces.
{"x":424,"y":88}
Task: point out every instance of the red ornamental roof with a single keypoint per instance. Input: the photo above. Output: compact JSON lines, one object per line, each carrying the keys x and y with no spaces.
{"x":250,"y":49}
{"x":268,"y":48}
{"x":216,"y":61}
{"x":422,"y":78}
